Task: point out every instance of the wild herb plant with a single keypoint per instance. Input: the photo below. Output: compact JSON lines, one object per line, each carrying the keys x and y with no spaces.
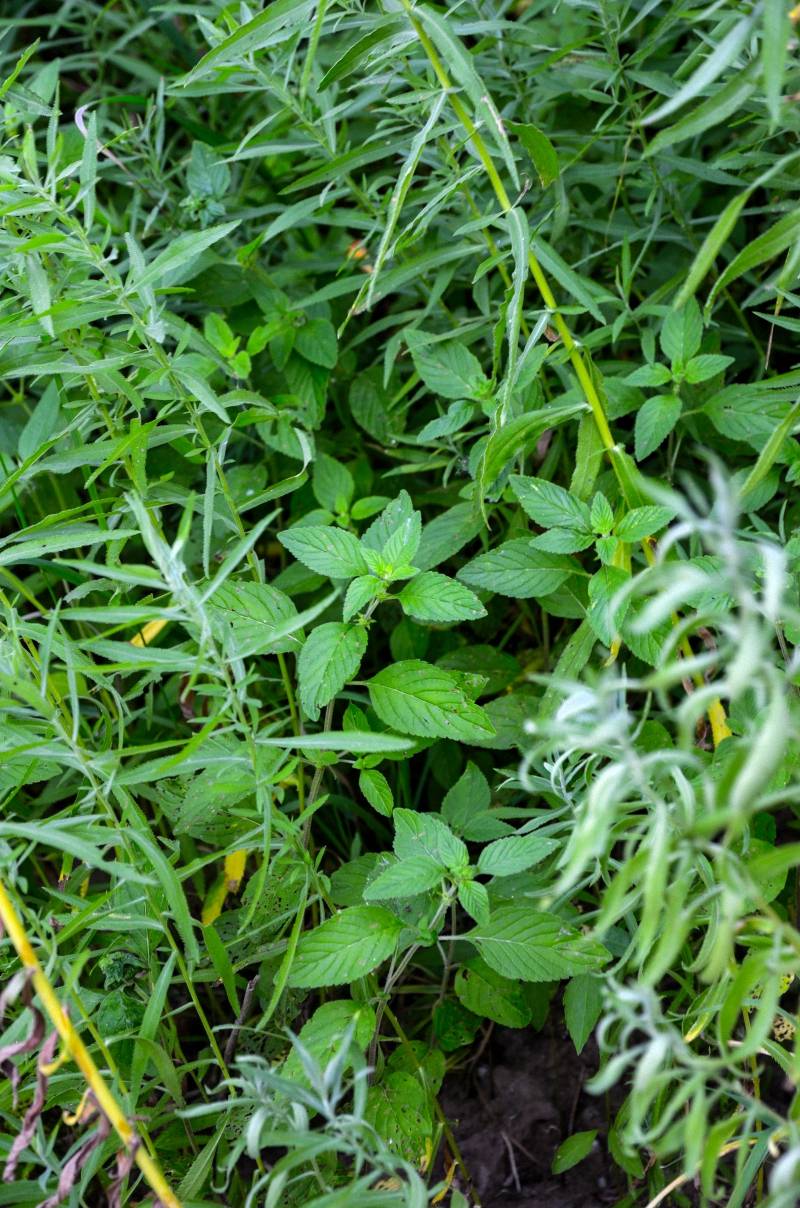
{"x":399,"y":587}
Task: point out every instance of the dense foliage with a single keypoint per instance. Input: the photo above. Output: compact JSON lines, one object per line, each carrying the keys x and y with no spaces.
{"x":398,"y":589}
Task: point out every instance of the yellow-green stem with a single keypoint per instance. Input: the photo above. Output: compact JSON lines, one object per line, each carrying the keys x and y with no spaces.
{"x":80,"y":1054}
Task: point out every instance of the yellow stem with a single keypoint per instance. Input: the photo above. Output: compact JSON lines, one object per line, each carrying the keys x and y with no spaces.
{"x":80,"y":1054}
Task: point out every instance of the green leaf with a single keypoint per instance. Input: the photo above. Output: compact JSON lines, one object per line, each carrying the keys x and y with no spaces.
{"x":516,"y":437}
{"x":711,"y":68}
{"x":573,"y":1150}
{"x":316,"y":341}
{"x":549,"y":504}
{"x":251,"y":618}
{"x":526,"y":945}
{"x":355,"y":54}
{"x":41,"y":423}
{"x":701,"y":368}
{"x":332,"y":483}
{"x":417,"y":698}
{"x":643,"y":522}
{"x":654,"y":422}
{"x":583,"y":1002}
{"x":178,"y":254}
{"x":450,"y":370}
{"x":446,"y":534}
{"x":347,"y":946}
{"x":362,"y":591}
{"x":486,"y":993}
{"x":322,"y":1035}
{"x":514,"y":854}
{"x":469,"y":796}
{"x":328,"y":551}
{"x":437,"y":599}
{"x":649,"y":375}
{"x":253,"y":34}
{"x":405,"y":879}
{"x":711,"y":247}
{"x":782,"y":235}
{"x":776,"y":34}
{"x":682,"y":334}
{"x":426,"y":835}
{"x":376,"y":789}
{"x":398,"y":1108}
{"x":602,"y":514}
{"x":605,"y":614}
{"x":542,"y":152}
{"x":331,"y":656}
{"x":474,"y":899}
{"x":718,"y":108}
{"x":516,"y":569}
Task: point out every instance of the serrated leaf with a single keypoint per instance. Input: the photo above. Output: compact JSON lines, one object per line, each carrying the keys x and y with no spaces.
{"x":643,"y":522}
{"x":417,"y":698}
{"x":527,"y":945}
{"x":654,"y":422}
{"x":549,"y":504}
{"x":405,"y":879}
{"x":450,"y":370}
{"x":328,"y":551}
{"x":469,"y":796}
{"x":438,"y":599}
{"x":376,"y":789}
{"x":426,"y":835}
{"x":514,"y":854}
{"x":316,"y":341}
{"x":705,"y":366}
{"x":248,"y":615}
{"x":345,"y":947}
{"x":486,"y":993}
{"x":649,"y":375}
{"x":516,"y":569}
{"x":360,"y":592}
{"x":682,"y":333}
{"x":331,"y":656}
{"x":474,"y":899}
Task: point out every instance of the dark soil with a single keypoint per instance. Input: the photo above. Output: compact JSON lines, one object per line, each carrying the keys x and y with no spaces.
{"x":511,"y":1109}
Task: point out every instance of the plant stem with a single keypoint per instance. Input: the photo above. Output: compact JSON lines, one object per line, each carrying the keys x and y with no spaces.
{"x":80,"y":1054}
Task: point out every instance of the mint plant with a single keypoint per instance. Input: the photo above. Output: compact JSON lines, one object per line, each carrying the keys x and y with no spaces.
{"x":399,"y":603}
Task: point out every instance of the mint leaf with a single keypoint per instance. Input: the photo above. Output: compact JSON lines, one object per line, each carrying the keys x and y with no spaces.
{"x":426,"y":835}
{"x":643,"y":522}
{"x":489,"y":994}
{"x":654,"y":421}
{"x":247,"y":615}
{"x":526,"y":945}
{"x":505,"y":857}
{"x":450,"y":370}
{"x":417,"y":698}
{"x":345,"y":947}
{"x":682,"y":333}
{"x":583,"y":1002}
{"x":328,"y":551}
{"x":405,"y":879}
{"x":549,"y":504}
{"x":331,"y":656}
{"x":438,"y":599}
{"x":516,"y":569}
{"x":376,"y":789}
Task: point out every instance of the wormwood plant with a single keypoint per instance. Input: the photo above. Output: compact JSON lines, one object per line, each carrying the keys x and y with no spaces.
{"x":399,"y":589}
